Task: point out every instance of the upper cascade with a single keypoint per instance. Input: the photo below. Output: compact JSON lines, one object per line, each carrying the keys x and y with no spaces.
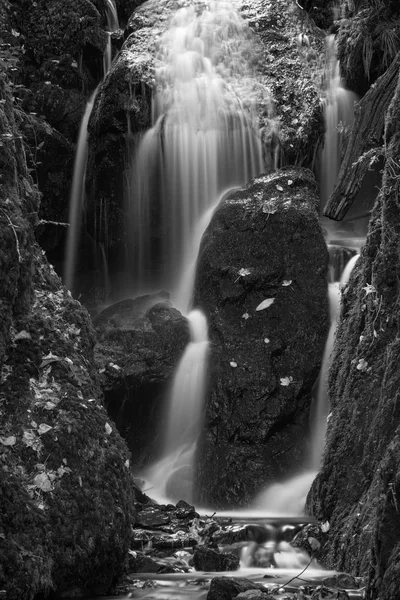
{"x":205,"y":136}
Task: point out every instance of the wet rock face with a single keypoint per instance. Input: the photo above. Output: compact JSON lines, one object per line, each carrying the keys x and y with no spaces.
{"x":207,"y":559}
{"x":358,"y":487}
{"x":283,"y":85}
{"x":263,"y":248}
{"x":139,"y":346}
{"x":66,"y":492}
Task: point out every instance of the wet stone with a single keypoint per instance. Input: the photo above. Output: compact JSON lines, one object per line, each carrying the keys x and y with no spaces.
{"x":226,"y":588}
{"x":206,"y":559}
{"x":151,"y":518}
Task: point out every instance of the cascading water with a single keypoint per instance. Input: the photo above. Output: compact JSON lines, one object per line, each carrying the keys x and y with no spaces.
{"x":113,"y":25}
{"x":289,"y":497}
{"x":339,"y":115}
{"x":77,"y":194}
{"x":172,"y":476}
{"x":204,"y":138}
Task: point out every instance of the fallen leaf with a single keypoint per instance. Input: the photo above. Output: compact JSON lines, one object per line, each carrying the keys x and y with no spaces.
{"x":44,"y":428}
{"x":285,"y":381}
{"x":108,"y":429}
{"x":369,"y":289}
{"x":325,"y":527}
{"x":23,"y":335}
{"x":279,"y":188}
{"x":8,"y":441}
{"x":43,"y":482}
{"x":233,"y":364}
{"x":266,"y":340}
{"x":246,"y":316}
{"x":265,"y":303}
{"x":49,"y":358}
{"x":244,"y":272}
{"x":286,"y":282}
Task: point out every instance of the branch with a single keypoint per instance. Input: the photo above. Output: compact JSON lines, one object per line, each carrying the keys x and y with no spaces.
{"x":366,"y":134}
{"x":45,"y":222}
{"x":15,"y":235}
{"x":295,"y":577}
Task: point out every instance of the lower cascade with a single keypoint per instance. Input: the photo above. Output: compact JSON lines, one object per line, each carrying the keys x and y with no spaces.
{"x":172,"y":476}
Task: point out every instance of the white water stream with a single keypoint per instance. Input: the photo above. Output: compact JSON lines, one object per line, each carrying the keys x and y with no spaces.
{"x":205,"y":138}
{"x":77,"y":194}
{"x":339,"y":116}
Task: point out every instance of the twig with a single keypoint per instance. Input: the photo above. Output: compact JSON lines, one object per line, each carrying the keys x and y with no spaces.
{"x":45,"y":222}
{"x":295,"y":577}
{"x":299,"y":5}
{"x":15,"y":235}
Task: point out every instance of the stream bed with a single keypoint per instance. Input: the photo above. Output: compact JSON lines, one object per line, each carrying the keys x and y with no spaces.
{"x":179,"y":553}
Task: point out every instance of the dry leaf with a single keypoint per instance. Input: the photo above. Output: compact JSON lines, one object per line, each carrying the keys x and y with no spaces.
{"x":265,"y":303}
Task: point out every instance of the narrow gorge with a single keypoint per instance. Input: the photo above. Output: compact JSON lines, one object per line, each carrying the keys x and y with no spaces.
{"x":199,"y":227}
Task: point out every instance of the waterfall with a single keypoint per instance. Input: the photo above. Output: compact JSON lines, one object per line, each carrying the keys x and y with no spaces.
{"x":288,"y":497}
{"x":339,"y":115}
{"x":113,"y":25}
{"x":77,"y":193}
{"x":204,"y":139}
{"x":172,"y":476}
{"x":322,"y":400}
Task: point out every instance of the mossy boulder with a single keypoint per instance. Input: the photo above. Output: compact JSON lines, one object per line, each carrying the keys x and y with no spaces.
{"x":261,"y":281}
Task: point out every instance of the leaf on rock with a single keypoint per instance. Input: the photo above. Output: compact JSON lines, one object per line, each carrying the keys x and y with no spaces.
{"x":369,"y":289}
{"x":265,"y":303}
{"x":43,"y":482}
{"x":49,"y":358}
{"x":325,"y":527}
{"x":44,"y":428}
{"x":285,"y":381}
{"x":8,"y":441}
{"x":23,"y":335}
{"x":314,"y":543}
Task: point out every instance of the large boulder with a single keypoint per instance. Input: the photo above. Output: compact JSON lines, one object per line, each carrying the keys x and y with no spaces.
{"x":262,"y":283}
{"x":140,"y":342}
{"x":66,"y":492}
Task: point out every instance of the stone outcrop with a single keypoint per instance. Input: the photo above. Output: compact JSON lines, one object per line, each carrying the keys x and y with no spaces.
{"x":261,"y":282}
{"x":66,"y":492}
{"x":358,"y":488}
{"x":139,"y":346}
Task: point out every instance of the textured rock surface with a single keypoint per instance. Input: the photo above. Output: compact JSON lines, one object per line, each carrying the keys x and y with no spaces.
{"x":66,"y":493}
{"x":207,"y":559}
{"x":139,"y":346}
{"x":358,"y":488}
{"x":264,"y":242}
